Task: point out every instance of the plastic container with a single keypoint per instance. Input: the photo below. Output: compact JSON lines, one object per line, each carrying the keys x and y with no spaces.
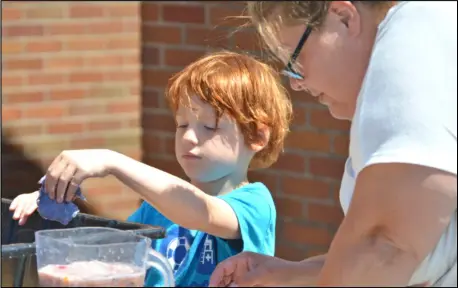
{"x":19,"y":266}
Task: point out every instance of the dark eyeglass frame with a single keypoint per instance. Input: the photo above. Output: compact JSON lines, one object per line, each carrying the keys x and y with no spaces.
{"x":289,"y":70}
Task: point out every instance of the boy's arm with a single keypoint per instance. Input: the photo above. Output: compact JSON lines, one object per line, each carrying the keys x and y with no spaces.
{"x":178,"y":200}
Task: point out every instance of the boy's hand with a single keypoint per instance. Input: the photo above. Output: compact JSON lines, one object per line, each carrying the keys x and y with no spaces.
{"x":71,"y":167}
{"x":23,"y":206}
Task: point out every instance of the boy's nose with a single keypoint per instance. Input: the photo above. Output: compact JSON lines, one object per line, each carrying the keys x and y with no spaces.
{"x":190,"y":136}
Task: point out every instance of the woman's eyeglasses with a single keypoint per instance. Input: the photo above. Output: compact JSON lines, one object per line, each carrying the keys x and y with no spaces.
{"x":289,"y":70}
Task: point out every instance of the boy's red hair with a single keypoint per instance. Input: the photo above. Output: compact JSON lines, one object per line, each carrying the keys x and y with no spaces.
{"x":244,"y":88}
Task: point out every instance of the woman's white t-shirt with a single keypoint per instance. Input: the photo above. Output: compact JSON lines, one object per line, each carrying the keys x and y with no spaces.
{"x":407,"y":110}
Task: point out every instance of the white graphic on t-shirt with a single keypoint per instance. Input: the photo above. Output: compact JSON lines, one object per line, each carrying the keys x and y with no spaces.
{"x":176,"y":251}
{"x":207,"y":253}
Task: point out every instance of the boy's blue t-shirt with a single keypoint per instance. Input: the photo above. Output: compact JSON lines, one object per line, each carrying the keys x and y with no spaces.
{"x":194,"y":255}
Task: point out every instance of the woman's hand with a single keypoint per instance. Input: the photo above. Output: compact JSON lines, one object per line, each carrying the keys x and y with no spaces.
{"x":250,"y":269}
{"x":23,"y":206}
{"x":71,"y":167}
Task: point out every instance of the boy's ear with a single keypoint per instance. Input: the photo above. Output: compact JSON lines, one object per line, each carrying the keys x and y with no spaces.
{"x":263,"y":138}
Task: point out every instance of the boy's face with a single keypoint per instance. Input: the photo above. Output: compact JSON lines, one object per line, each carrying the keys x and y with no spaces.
{"x":207,"y":152}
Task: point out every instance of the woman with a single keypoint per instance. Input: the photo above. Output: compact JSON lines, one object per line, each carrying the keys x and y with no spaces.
{"x":390,"y":68}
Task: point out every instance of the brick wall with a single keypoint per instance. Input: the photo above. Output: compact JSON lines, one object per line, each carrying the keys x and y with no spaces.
{"x":67,"y":68}
{"x":304,"y":181}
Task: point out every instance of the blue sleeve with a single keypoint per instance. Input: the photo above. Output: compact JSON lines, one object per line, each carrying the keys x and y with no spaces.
{"x":139,"y":215}
{"x":255,"y":210}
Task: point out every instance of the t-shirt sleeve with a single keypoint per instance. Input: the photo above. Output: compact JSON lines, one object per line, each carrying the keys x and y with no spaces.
{"x":138,"y":215}
{"x":255,"y":210}
{"x":408,"y":105}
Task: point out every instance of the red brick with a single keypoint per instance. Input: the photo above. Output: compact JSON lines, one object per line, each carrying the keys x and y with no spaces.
{"x":149,"y":11}
{"x":87,"y":143}
{"x":315,"y":252}
{"x":133,"y":123}
{"x":26,"y":129}
{"x":85,"y":77}
{"x":23,"y":97}
{"x":323,"y":119}
{"x":71,"y":62}
{"x":308,"y":140}
{"x":150,"y":99}
{"x":159,"y":122}
{"x":150,"y":56}
{"x":132,"y":27}
{"x":89,"y":44}
{"x":45,"y":12}
{"x":299,"y":116}
{"x":289,"y":208}
{"x":11,"y":47}
{"x":23,"y":30}
{"x":109,"y":27}
{"x":181,"y":57}
{"x":183,"y":13}
{"x":65,"y":128}
{"x":9,"y":114}
{"x":46,"y":79}
{"x":23,"y":64}
{"x":306,"y":235}
{"x":269,"y":180}
{"x":93,"y":10}
{"x":247,"y":40}
{"x":217,"y":38}
{"x":105,"y":60}
{"x":130,"y":42}
{"x":341,"y":145}
{"x":11,"y":13}
{"x":67,"y":94}
{"x":104,"y":125}
{"x":224,"y":16}
{"x":152,"y":144}
{"x":81,"y":108}
{"x":123,"y":106}
{"x":122,"y":76}
{"x":156,"y":77}
{"x":43,"y":46}
{"x":170,"y":146}
{"x":327,"y":167}
{"x":297,"y":96}
{"x":290,"y":162}
{"x":11,"y":80}
{"x":50,"y":111}
{"x":324,"y":213}
{"x":307,"y":188}
{"x":290,"y":253}
{"x":133,"y":59}
{"x":61,"y":28}
{"x":123,"y":9}
{"x":161,"y":34}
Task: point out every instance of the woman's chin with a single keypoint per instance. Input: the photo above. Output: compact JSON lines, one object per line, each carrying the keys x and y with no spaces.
{"x":340,"y":112}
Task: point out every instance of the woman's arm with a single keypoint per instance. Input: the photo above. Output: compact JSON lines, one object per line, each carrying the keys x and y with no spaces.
{"x":397,"y":215}
{"x":178,"y":200}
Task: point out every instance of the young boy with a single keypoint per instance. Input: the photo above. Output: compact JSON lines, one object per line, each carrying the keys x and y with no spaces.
{"x":232,"y":115}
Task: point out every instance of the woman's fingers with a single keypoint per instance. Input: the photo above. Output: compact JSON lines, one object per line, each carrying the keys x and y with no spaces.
{"x":13,"y":204}
{"x":18,"y":211}
{"x":53,"y":176}
{"x":73,"y":185}
{"x":63,"y":182}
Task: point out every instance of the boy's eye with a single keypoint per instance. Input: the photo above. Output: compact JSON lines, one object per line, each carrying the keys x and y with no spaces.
{"x":211,"y":128}
{"x":182,"y":125}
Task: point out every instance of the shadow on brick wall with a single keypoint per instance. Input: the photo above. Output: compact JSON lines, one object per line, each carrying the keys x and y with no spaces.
{"x":21,"y":175}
